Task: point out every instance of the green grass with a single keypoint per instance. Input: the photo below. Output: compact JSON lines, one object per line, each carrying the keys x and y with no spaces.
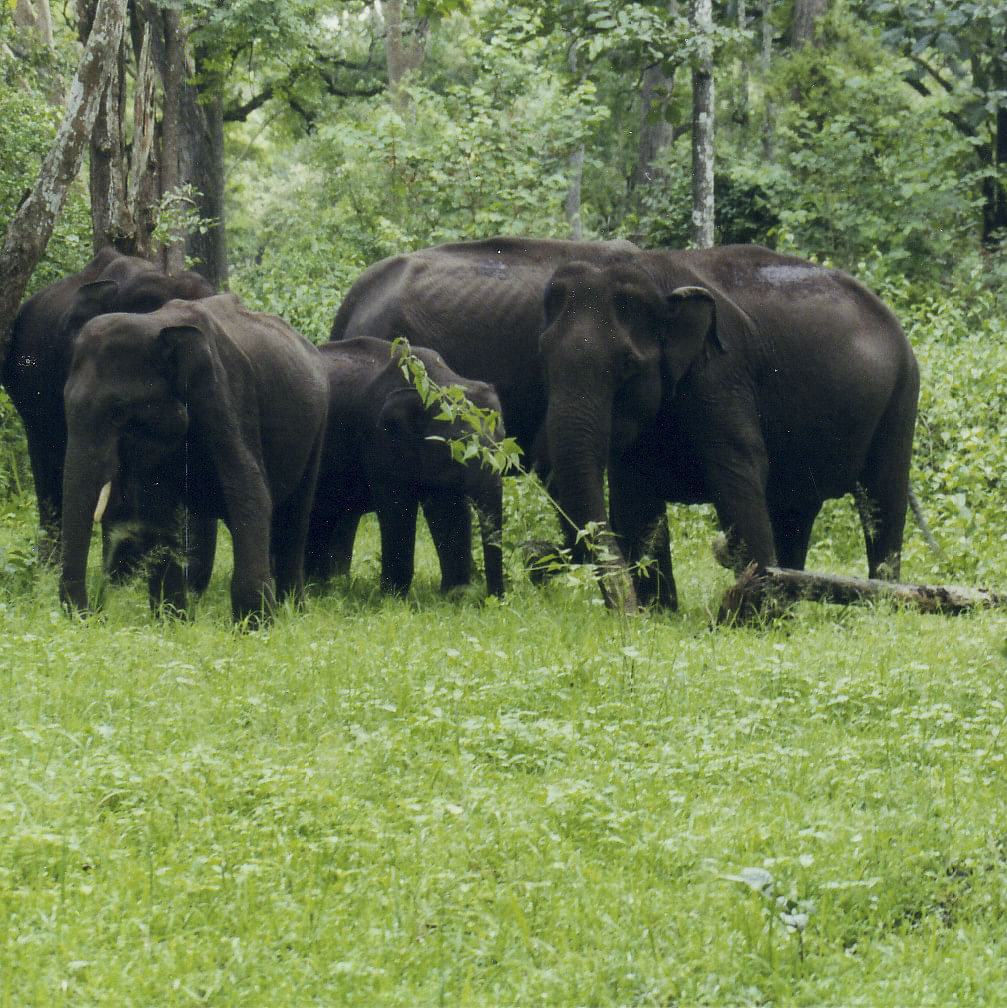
{"x":527,"y":802}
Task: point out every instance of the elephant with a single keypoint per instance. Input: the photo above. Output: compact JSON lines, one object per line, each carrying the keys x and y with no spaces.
{"x":758,"y":382}
{"x":801,"y":386}
{"x":479,"y":304}
{"x":203,"y":405}
{"x":386,"y":452}
{"x":37,"y":366}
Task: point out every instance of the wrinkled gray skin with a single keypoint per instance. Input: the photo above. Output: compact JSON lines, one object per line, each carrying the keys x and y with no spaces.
{"x":772,"y":387}
{"x":39,"y":362}
{"x":378,"y":456}
{"x":479,"y":305}
{"x":202,"y":405}
{"x":757,"y":382}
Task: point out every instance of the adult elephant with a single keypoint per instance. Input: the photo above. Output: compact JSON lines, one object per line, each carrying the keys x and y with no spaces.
{"x":758,"y":382}
{"x":37,"y":366}
{"x":201,"y":404}
{"x":386,"y":451}
{"x":479,"y":305}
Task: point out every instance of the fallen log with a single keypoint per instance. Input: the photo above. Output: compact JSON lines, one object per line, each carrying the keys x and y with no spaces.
{"x":751,"y":592}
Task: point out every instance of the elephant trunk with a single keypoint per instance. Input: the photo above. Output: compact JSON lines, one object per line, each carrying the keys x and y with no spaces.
{"x":578,"y":432}
{"x":86,"y":491}
{"x":488,"y":502}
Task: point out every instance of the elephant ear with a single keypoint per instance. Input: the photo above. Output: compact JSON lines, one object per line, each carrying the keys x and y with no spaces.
{"x":691,"y":330}
{"x":190,"y":366}
{"x":402,"y":417}
{"x":90,"y":301}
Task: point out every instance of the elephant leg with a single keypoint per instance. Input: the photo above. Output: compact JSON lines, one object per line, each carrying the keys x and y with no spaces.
{"x":882,"y":491}
{"x":200,"y":533}
{"x":329,"y":549}
{"x":883,"y":518}
{"x":397,"y":518}
{"x":640,"y":522}
{"x":792,"y":533}
{"x":46,"y":457}
{"x":166,"y":583}
{"x":290,"y":526}
{"x":450,"y":522}
{"x":344,"y":535}
{"x":737,"y":485}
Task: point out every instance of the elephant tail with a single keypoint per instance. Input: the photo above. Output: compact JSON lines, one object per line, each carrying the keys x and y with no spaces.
{"x":921,"y":521}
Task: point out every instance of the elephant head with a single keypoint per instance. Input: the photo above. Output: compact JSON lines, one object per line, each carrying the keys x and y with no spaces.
{"x":415,"y":445}
{"x":614,"y":349}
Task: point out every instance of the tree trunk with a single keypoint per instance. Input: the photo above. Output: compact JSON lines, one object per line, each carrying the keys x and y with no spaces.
{"x":571,"y":205}
{"x":701,"y":17}
{"x":173,"y":74}
{"x":393,"y":47}
{"x":769,"y":122}
{"x":656,"y":133}
{"x":807,"y":14}
{"x":741,"y":98}
{"x":751,"y":591}
{"x":29,"y":231}
{"x":37,"y":18}
{"x":122,"y":196}
{"x":994,"y":192}
{"x":192,"y":147}
{"x":106,"y":150}
{"x":400,"y":56}
{"x":201,"y":163}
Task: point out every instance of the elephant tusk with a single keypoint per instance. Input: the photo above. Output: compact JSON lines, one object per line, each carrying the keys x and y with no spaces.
{"x":99,"y":510}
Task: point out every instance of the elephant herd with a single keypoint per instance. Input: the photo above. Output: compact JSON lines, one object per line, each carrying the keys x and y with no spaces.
{"x":758,"y":382}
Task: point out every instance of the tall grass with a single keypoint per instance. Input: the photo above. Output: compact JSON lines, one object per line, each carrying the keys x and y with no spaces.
{"x":516,"y":802}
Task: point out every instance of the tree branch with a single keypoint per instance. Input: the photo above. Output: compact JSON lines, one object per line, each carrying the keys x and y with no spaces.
{"x":33,"y":222}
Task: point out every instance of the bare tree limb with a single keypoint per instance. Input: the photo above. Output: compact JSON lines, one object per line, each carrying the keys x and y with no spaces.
{"x":779,"y":584}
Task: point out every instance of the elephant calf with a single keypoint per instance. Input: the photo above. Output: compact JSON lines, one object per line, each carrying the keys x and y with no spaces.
{"x":385,"y":452}
{"x":201,"y":404}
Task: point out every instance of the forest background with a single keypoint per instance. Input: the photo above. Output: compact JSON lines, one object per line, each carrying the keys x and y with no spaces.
{"x":526,"y":801}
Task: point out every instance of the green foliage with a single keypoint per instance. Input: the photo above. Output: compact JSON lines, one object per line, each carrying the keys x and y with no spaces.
{"x":957,"y":50}
{"x":29,"y":76}
{"x":484,"y":444}
{"x":481,"y":156}
{"x":523,"y":802}
{"x":865,"y":164}
{"x":965,"y":38}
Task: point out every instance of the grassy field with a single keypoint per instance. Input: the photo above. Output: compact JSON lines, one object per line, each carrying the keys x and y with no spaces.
{"x":528,"y":802}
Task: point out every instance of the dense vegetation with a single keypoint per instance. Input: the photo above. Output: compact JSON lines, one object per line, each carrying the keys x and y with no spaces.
{"x":533,"y":800}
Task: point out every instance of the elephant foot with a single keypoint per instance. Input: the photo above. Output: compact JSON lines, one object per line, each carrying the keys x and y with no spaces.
{"x":465,"y":594}
{"x":166,"y":589}
{"x":728,"y":555}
